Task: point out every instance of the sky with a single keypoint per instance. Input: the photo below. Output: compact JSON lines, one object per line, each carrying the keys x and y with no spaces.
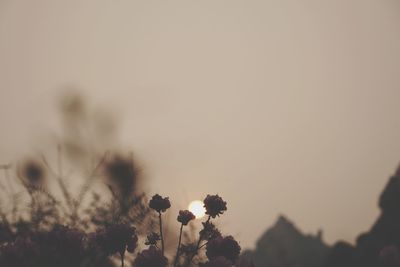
{"x":281,"y":107}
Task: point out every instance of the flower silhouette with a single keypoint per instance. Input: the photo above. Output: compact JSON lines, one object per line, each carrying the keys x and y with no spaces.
{"x":214,"y":205}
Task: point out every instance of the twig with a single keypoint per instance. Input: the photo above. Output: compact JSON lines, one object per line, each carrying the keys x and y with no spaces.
{"x":161,"y":233}
{"x":179,"y":246}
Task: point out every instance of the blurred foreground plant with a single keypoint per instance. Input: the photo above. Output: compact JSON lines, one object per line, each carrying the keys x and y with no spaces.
{"x":68,"y":246}
{"x":44,"y":212}
{"x":104,"y":219}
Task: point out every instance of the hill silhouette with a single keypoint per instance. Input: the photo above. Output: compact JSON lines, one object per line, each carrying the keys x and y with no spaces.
{"x":283,"y":245}
{"x":380,"y":245}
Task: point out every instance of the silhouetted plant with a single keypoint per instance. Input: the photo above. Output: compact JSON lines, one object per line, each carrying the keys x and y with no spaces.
{"x":65,"y":246}
{"x":45,"y":221}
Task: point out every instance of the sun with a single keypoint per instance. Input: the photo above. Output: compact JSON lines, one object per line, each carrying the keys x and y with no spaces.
{"x":197,"y":208}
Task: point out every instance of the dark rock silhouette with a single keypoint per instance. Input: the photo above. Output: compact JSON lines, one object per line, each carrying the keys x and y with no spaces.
{"x":283,"y":245}
{"x":386,"y":230}
{"x":379,"y":246}
{"x":341,"y":254}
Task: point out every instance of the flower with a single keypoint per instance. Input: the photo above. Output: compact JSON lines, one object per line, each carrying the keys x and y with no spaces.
{"x":122,"y":175}
{"x":214,"y":205}
{"x":217,"y":262}
{"x":152,"y":239}
{"x":33,"y":173}
{"x":117,"y":238}
{"x":223,"y":246}
{"x":150,"y":257}
{"x":159,"y":204}
{"x":185,"y":216}
{"x":209,"y":231}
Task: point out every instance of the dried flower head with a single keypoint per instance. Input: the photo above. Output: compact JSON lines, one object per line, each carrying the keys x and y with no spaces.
{"x":159,"y":204}
{"x":214,"y":205}
{"x":151,"y":257}
{"x":223,"y":246}
{"x":209,"y":231}
{"x":185,"y":216}
{"x":152,"y":239}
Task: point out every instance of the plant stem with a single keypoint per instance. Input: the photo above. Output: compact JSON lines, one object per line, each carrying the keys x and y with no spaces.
{"x":205,"y":244}
{"x":122,"y":259}
{"x":197,"y":246}
{"x":161,"y":234}
{"x":179,"y":246}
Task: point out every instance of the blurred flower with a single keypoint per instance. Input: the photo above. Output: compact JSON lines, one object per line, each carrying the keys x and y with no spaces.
{"x":185,"y":216}
{"x":33,"y":173}
{"x":223,"y":246}
{"x":122,"y":175}
{"x":151,"y":257}
{"x":159,"y":204}
{"x":117,"y":238}
{"x":209,"y":231}
{"x":390,"y":256}
{"x":214,"y":205}
{"x":152,"y":239}
{"x":217,"y":262}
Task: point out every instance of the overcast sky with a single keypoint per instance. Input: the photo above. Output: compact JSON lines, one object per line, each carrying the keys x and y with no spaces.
{"x":279,"y":106}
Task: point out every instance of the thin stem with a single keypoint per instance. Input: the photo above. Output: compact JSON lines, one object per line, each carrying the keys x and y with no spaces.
{"x":59,"y":161}
{"x":197,"y":246}
{"x":203,"y":245}
{"x":179,"y":246}
{"x":122,"y":259}
{"x":85,"y":187}
{"x":161,"y":233}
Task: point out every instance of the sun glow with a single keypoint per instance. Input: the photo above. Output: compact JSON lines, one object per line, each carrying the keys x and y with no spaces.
{"x":197,"y":208}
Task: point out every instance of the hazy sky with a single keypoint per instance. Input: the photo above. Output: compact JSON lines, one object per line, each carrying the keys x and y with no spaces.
{"x":279,"y":106}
